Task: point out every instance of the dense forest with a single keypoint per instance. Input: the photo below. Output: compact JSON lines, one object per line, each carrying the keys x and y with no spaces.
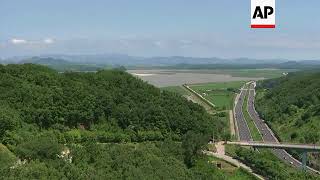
{"x":103,"y":125}
{"x":291,"y":105}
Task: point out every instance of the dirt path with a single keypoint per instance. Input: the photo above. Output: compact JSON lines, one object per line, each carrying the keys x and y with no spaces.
{"x":221,"y":155}
{"x":192,"y":97}
{"x":220,"y":149}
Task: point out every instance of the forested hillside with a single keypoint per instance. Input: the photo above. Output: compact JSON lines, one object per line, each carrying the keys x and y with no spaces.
{"x":104,"y":125}
{"x":292,"y":106}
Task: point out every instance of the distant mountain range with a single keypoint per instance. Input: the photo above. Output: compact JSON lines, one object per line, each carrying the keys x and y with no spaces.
{"x":120,"y":59}
{"x":73,"y":62}
{"x":63,"y":65}
{"x":45,"y":61}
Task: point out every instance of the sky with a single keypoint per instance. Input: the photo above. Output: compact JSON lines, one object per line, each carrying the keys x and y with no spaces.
{"x":197,"y":28}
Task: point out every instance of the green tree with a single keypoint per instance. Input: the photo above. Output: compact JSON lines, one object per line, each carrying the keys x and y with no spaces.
{"x":192,"y":144}
{"x":9,"y":120}
{"x":45,"y":146}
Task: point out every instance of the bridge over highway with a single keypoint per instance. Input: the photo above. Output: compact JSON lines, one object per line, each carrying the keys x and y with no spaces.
{"x":268,"y":137}
{"x":303,"y":148}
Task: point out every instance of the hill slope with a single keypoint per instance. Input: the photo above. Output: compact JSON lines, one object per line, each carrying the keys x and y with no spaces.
{"x":104,"y":125}
{"x":292,"y":106}
{"x":47,"y":99}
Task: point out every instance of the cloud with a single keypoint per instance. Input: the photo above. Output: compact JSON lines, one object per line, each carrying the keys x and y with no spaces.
{"x":31,"y":43}
{"x":18,"y":41}
{"x":48,"y":41}
{"x":199,"y":45}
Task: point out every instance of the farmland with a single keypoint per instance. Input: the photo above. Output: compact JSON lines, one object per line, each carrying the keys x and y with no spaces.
{"x":220,"y":94}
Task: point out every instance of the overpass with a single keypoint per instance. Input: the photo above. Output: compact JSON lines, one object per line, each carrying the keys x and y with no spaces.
{"x":269,"y":137}
{"x":303,"y":148}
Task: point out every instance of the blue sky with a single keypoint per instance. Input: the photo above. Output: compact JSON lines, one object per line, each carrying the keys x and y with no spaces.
{"x":202,"y":28}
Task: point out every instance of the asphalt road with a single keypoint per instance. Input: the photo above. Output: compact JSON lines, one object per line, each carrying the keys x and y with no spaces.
{"x":267,"y":133}
{"x":243,"y":129}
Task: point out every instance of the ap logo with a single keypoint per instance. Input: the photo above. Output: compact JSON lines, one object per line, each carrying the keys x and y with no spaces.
{"x":263,"y":14}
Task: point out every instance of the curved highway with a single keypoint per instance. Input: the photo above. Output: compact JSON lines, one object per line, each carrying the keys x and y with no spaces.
{"x":266,"y":132}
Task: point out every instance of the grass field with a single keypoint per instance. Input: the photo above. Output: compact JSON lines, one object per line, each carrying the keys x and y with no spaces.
{"x":220,"y":86}
{"x":222,"y":99}
{"x":220,"y":94}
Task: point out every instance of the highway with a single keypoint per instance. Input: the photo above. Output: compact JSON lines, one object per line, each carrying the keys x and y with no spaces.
{"x":266,"y":132}
{"x":242,"y":126}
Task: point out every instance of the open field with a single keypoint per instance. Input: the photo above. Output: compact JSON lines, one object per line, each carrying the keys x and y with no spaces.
{"x":222,"y":99}
{"x":219,"y":86}
{"x":164,"y":78}
{"x":220,"y":94}
{"x":174,"y":77}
